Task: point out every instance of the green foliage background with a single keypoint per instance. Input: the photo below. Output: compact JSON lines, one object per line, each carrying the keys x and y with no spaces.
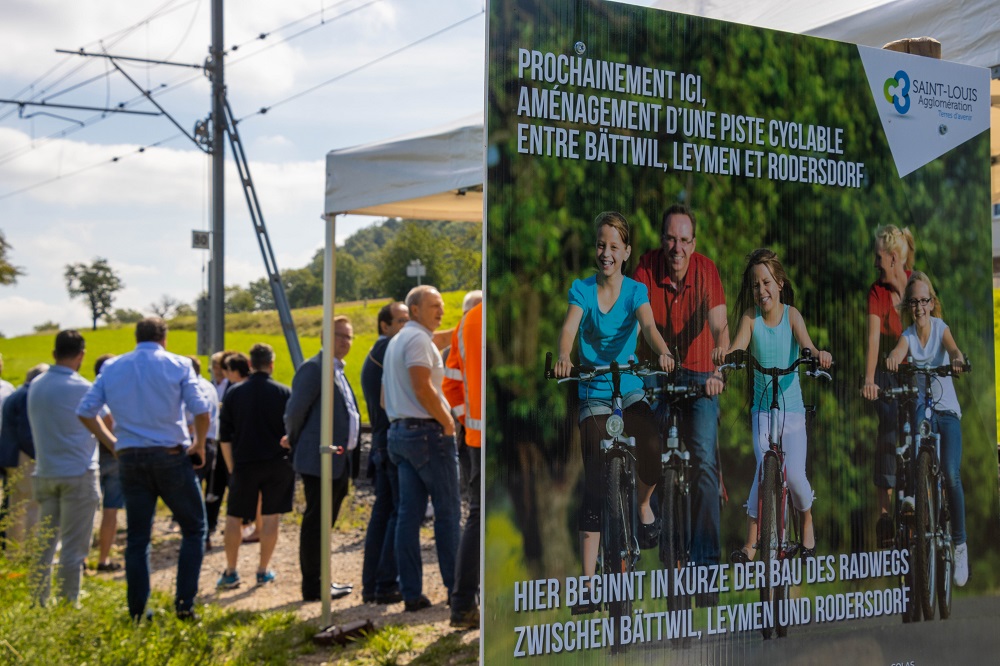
{"x":540,"y":238}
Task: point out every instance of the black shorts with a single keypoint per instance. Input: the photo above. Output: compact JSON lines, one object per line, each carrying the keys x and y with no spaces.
{"x":273,"y":480}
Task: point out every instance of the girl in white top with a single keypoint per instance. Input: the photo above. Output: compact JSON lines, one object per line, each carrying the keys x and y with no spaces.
{"x":929,"y":341}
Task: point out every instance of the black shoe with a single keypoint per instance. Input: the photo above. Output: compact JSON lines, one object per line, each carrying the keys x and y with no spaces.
{"x":883,"y":531}
{"x":340,"y":590}
{"x":649,"y":534}
{"x":188,"y":616}
{"x":465,"y":619}
{"x":388,"y":597}
{"x":739,"y":556}
{"x":807,"y":553}
{"x":337,"y":591}
{"x":585,"y":609}
{"x":417,"y":604}
{"x":110,"y":566}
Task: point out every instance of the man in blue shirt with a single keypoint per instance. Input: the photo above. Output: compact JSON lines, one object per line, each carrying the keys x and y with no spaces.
{"x":145,"y":390}
{"x":66,"y":480}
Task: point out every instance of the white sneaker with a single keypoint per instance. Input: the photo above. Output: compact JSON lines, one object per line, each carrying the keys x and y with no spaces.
{"x":961,"y":564}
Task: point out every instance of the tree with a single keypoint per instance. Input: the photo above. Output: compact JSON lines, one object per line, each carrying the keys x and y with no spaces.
{"x":166,"y":307}
{"x":126,"y":316}
{"x":184,"y":310}
{"x":96,"y":284}
{"x":239,"y":299}
{"x":8,"y":272}
{"x":414,"y":241}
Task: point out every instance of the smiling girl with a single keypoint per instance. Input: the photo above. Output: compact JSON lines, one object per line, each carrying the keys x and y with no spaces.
{"x":776,"y":334}
{"x":929,"y":341}
{"x":606,"y":309}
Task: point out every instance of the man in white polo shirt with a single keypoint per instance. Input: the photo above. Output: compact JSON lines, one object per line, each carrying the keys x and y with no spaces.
{"x":421,"y":445}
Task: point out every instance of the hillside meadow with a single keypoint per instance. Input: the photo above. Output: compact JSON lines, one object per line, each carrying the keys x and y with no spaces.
{"x":243,"y":330}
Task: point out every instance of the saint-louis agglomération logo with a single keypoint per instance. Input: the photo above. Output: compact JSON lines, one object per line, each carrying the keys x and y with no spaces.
{"x":897,"y":91}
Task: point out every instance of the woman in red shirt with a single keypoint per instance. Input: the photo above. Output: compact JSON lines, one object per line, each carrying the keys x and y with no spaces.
{"x":894,"y":250}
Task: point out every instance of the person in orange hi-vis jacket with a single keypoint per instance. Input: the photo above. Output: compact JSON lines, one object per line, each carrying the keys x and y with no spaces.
{"x":463,"y":387}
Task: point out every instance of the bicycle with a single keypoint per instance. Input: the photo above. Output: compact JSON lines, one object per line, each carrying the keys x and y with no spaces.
{"x":921,"y":516}
{"x":675,"y":485}
{"x":777,"y":527}
{"x":619,"y":516}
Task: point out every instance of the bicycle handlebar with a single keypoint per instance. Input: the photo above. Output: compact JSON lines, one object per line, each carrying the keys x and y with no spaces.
{"x":585,"y":373}
{"x":677,"y":390}
{"x":741,"y":358}
{"x":912,"y":369}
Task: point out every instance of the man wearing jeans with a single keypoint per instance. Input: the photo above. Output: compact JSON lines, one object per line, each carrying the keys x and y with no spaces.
{"x":145,"y":390}
{"x":66,"y":471}
{"x":421,"y":444}
{"x":689,"y":306}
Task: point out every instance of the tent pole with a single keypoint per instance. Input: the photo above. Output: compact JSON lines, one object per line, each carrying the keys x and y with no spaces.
{"x":326,"y":415}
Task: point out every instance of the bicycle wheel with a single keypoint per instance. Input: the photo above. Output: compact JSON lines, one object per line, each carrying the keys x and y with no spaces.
{"x":617,"y":533}
{"x":671,"y":522}
{"x":925,"y":557}
{"x":945,"y":557}
{"x":672,"y":554}
{"x":769,"y":543}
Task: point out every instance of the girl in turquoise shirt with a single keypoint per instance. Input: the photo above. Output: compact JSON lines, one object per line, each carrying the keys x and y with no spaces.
{"x":776,"y":334}
{"x":606,"y":310}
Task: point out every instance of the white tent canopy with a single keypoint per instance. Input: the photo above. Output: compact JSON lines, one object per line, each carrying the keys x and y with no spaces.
{"x":969,"y":30}
{"x":431,"y":175}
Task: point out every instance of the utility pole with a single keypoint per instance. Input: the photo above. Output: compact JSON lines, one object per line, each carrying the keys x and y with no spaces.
{"x":216,"y":284}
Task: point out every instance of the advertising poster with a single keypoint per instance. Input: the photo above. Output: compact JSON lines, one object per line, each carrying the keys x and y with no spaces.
{"x":831,"y":197}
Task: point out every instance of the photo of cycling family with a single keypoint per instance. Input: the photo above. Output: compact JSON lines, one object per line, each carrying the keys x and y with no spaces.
{"x":695,"y":369}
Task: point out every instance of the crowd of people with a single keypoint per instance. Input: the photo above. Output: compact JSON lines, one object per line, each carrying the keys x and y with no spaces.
{"x":151,"y":428}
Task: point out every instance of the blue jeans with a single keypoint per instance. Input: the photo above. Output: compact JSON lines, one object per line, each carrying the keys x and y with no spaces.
{"x":950,"y":428}
{"x":699,"y":430}
{"x":146,"y":475}
{"x":428,"y":465}
{"x":379,"y":573}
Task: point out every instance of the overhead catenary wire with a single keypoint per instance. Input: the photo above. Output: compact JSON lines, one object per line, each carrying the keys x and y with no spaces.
{"x":164,"y":89}
{"x":109,"y":40}
{"x":104,"y":162}
{"x":303,"y":93}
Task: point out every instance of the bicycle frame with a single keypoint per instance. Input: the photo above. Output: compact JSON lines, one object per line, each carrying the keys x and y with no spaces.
{"x":772,"y":493}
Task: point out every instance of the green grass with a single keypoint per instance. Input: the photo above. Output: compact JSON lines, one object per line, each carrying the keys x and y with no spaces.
{"x":243,"y":330}
{"x":100,"y":632}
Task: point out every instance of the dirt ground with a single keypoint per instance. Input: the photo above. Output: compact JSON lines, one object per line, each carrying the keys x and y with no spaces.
{"x":284,"y":594}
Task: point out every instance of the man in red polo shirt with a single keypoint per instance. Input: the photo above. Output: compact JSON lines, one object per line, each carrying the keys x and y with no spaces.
{"x":689,"y":307}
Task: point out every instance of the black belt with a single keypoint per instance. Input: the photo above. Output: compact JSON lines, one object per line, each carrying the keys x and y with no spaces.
{"x":413,"y":423}
{"x":172,"y":450}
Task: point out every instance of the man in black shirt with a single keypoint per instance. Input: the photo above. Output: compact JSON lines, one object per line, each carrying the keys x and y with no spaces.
{"x":251,"y":429}
{"x":379,"y":572}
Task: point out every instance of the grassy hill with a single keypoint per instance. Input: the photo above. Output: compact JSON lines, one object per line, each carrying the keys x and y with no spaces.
{"x":242,"y":331}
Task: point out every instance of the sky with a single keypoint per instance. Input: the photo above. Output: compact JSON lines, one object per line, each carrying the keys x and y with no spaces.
{"x":393,"y":68}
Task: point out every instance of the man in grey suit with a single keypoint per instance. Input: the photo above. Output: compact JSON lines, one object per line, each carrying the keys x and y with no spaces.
{"x":302,"y":423}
